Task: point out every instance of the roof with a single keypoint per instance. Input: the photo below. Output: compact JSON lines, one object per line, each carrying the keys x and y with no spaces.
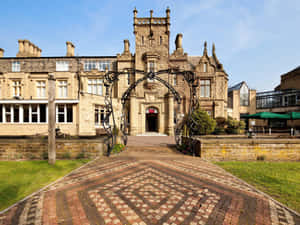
{"x":236,"y":87}
{"x":293,"y":70}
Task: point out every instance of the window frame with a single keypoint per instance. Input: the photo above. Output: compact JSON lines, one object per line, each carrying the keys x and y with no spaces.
{"x":205,"y":84}
{"x":95,"y":86}
{"x":17,"y":88}
{"x":64,"y":113}
{"x":40,"y":88}
{"x":62,"y":66}
{"x":15,"y":66}
{"x":61,"y":85}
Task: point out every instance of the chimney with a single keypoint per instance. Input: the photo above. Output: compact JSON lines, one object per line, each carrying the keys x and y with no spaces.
{"x":39,"y":52}
{"x":28,"y":49}
{"x":126,"y":47}
{"x":70,"y":48}
{"x":1,"y":52}
{"x":31,"y":49}
{"x":34,"y":52}
{"x":178,"y":41}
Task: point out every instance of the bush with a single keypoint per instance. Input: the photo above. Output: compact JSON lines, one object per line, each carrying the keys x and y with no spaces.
{"x":204,"y":123}
{"x":117,"y":148}
{"x":66,"y":155}
{"x":45,"y":155}
{"x":80,"y":155}
{"x":234,"y":126}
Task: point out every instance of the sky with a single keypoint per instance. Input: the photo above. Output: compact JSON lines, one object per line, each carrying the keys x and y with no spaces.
{"x":256,"y":40}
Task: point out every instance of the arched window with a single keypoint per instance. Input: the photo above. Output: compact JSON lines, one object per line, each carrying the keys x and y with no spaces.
{"x":160,"y":40}
{"x":244,"y":95}
{"x":143,"y":41}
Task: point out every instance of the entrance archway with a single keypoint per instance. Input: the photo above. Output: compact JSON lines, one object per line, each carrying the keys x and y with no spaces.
{"x":151,"y":119}
{"x":111,"y":77}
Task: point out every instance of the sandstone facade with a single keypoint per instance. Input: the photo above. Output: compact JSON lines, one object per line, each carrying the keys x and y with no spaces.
{"x":80,"y":86}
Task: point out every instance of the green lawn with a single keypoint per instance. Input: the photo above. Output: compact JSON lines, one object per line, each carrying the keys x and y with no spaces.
{"x":281,"y":180}
{"x":19,"y":179}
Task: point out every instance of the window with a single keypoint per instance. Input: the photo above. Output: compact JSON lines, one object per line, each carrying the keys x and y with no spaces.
{"x":95,"y":86}
{"x":99,"y":65}
{"x":99,"y":115}
{"x":1,"y":113}
{"x":7,"y":113}
{"x":34,"y":113}
{"x":41,"y":89}
{"x":160,"y":40}
{"x":16,"y":110}
{"x":205,"y":67}
{"x":64,"y":113}
{"x":16,"y":88}
{"x":151,"y":66}
{"x":15,"y":67}
{"x":63,"y":88}
{"x":128,"y":78}
{"x":175,"y":80}
{"x":205,"y":88}
{"x":26,"y":113}
{"x":143,"y":41}
{"x":244,"y":95}
{"x":62,"y":66}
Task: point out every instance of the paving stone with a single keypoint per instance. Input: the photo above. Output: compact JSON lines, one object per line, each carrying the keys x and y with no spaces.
{"x":149,"y":188}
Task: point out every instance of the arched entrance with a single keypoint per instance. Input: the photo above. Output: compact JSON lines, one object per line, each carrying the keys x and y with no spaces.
{"x":151,"y":119}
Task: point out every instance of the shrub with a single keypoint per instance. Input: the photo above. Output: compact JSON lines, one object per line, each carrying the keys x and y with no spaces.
{"x":80,"y":155}
{"x":117,"y":148}
{"x":204,"y":123}
{"x":45,"y":155}
{"x":234,"y":126}
{"x":261,"y":158}
{"x":66,"y":155}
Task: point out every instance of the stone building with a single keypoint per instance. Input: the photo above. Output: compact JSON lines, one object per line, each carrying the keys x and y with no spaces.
{"x":241,"y":100}
{"x":80,"y":85}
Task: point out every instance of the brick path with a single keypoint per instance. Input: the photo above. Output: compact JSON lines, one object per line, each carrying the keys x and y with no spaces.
{"x":149,"y":187}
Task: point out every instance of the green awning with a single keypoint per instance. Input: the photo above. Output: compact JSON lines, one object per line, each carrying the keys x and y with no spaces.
{"x":268,"y":115}
{"x":294,"y":115}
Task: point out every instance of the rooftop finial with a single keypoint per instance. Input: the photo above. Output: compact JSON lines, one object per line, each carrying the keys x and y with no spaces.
{"x":205,"y":48}
{"x":168,"y":12}
{"x":214,"y":49}
{"x":135,"y":12}
{"x":151,"y":13}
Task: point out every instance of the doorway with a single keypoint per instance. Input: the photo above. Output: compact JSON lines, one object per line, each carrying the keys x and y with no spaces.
{"x":151,"y":120}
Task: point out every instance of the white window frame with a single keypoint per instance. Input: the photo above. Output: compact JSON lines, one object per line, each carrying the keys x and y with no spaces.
{"x":101,"y":65}
{"x":151,"y":69}
{"x":95,"y":86}
{"x":62,"y":66}
{"x":63,"y":88}
{"x":205,"y":88}
{"x":15,"y":66}
{"x":41,"y":88}
{"x":101,"y":111}
{"x":205,"y":67}
{"x":65,"y":113}
{"x":16,"y":86}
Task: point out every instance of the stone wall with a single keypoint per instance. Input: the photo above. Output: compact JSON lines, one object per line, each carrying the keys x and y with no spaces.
{"x":23,"y":148}
{"x":248,"y":149}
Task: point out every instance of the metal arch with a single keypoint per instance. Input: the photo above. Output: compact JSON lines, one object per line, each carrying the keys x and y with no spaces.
{"x":112,"y":76}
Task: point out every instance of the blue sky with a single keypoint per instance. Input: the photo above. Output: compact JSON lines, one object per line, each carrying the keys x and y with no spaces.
{"x":256,"y":40}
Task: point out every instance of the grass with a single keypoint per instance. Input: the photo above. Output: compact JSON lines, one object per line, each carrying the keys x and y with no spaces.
{"x":281,"y":180}
{"x":19,"y":179}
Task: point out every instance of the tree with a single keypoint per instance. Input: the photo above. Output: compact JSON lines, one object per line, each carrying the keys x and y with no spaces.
{"x":204,"y":124}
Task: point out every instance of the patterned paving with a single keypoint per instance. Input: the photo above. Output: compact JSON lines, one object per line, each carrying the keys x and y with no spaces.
{"x":140,"y":188}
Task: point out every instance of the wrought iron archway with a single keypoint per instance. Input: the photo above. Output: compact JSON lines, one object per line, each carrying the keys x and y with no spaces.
{"x":111,"y":77}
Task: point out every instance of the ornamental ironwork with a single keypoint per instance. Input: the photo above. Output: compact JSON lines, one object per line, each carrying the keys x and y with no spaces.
{"x":187,"y":121}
